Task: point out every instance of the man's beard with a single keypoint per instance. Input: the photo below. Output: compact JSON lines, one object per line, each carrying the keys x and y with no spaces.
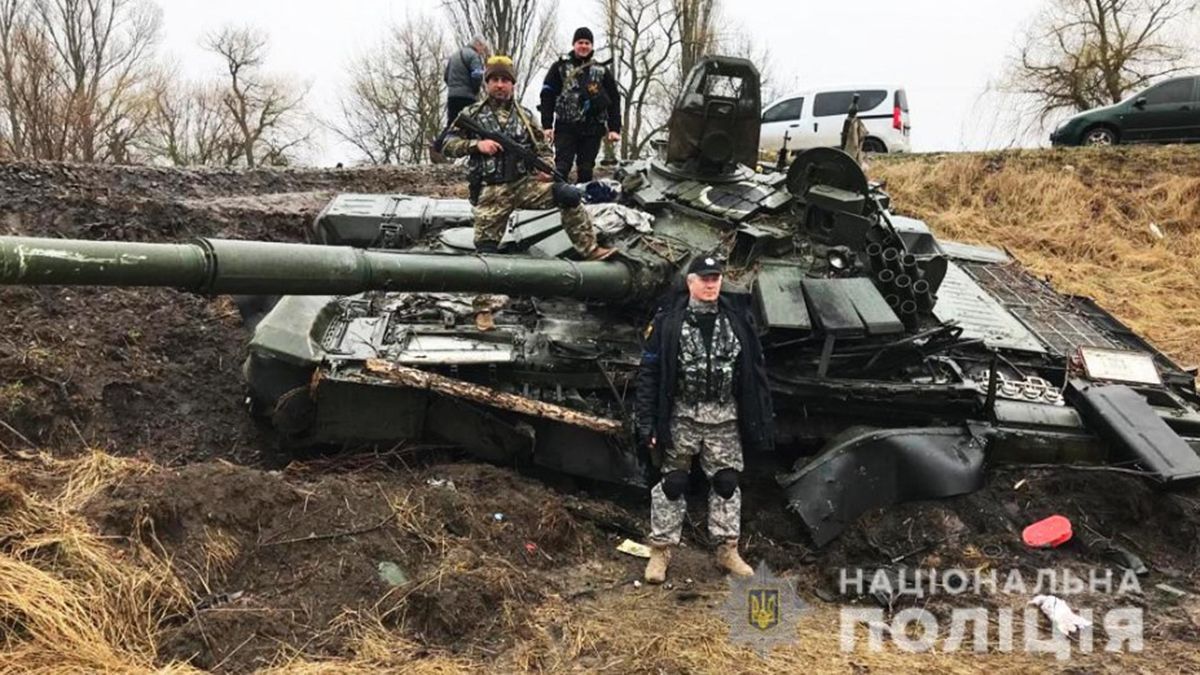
{"x":501,"y":97}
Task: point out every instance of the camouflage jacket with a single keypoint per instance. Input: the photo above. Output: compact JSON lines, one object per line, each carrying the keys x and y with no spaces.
{"x":581,"y":95}
{"x":707,"y":361}
{"x":499,"y":168}
{"x":658,"y":375}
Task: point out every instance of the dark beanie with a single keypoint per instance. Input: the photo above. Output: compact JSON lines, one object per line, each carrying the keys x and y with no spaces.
{"x":584,"y":33}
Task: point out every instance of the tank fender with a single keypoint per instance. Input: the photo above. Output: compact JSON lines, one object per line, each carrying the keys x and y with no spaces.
{"x":864,"y":468}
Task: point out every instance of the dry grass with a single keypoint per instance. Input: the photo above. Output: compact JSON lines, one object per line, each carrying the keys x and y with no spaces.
{"x":653,"y":631}
{"x":376,"y":649}
{"x":72,"y":601}
{"x":69,"y":600}
{"x":1080,"y":217}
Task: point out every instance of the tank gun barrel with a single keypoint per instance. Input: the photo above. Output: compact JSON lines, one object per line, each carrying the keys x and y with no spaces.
{"x":218,"y":266}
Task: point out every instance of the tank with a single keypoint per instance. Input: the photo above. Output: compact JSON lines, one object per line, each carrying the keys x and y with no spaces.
{"x":900,"y":364}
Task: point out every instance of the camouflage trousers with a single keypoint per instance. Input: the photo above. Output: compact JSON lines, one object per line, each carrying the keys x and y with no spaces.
{"x":497,"y":202}
{"x":719,"y":447}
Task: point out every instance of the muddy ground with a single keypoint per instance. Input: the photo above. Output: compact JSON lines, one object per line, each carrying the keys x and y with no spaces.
{"x":413,"y":557}
{"x":103,"y":368}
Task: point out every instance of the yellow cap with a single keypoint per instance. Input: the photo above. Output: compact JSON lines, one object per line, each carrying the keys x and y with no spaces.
{"x":500,"y":66}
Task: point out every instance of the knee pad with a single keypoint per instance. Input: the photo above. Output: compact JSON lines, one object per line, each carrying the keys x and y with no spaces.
{"x":674,"y":484}
{"x":725,"y":483}
{"x":566,"y":196}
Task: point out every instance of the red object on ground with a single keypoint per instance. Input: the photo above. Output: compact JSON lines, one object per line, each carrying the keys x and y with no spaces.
{"x":1048,"y":533}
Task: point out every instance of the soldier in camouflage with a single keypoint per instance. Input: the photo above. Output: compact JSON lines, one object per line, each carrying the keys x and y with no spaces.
{"x":853,"y":132}
{"x":508,"y":182}
{"x":702,"y":392}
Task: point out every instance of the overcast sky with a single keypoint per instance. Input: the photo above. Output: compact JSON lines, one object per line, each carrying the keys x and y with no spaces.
{"x":944,"y":52}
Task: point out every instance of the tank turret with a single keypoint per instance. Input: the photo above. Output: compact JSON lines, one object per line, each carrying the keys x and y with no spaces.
{"x":714,"y":125}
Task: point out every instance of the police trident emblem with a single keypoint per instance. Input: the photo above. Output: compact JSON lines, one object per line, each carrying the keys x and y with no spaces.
{"x":764,"y":607}
{"x":762,"y":610}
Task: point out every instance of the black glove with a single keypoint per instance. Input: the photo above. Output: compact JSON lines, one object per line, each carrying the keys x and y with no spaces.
{"x":649,"y":457}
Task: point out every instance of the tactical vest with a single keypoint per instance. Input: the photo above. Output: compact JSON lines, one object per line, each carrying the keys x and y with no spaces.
{"x":582,"y":99}
{"x":706,"y":371}
{"x":502,"y":167}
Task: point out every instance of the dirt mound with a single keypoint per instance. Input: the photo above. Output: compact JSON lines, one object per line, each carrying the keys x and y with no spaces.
{"x":38,"y":182}
{"x":153,"y":373}
{"x":413,"y":561}
{"x":274,"y":559}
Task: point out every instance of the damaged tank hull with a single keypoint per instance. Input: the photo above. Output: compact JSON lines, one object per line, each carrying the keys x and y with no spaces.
{"x":998,"y":382}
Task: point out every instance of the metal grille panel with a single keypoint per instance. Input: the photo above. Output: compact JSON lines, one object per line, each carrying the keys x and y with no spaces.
{"x":1057,"y":322}
{"x":981,"y":315}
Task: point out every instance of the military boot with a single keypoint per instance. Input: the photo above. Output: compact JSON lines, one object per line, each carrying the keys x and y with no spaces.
{"x":729,"y":560}
{"x":656,"y":569}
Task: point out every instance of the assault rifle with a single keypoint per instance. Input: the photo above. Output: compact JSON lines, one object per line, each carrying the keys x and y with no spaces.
{"x":511,"y":147}
{"x":781,"y":161}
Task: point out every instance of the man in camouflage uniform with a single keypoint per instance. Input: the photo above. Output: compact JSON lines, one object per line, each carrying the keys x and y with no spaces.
{"x":853,"y":132}
{"x":702,"y":391}
{"x":508,"y":182}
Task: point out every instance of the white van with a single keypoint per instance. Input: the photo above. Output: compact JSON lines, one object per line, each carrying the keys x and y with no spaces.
{"x":814,"y":119}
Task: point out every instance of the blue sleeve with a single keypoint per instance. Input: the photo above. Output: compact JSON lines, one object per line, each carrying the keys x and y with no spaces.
{"x":476,"y":70}
{"x":649,"y":380}
{"x":550,"y":88}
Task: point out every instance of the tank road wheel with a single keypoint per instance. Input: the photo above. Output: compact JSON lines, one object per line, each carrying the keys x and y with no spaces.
{"x":873,"y":145}
{"x":1100,"y":136}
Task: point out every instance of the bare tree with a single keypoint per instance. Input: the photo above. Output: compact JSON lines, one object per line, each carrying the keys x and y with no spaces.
{"x":73,"y":74}
{"x":394,"y":107}
{"x":1079,"y":54}
{"x":522,"y":29}
{"x":34,"y":119}
{"x":697,"y":30}
{"x":103,"y":45}
{"x":267,"y":111}
{"x":644,"y":39}
{"x":189,"y":124}
{"x":734,"y":40}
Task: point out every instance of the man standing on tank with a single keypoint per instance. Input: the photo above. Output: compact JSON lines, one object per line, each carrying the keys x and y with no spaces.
{"x":509,"y":183}
{"x":702,"y":392}
{"x":579,"y":101}
{"x":464,"y":76}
